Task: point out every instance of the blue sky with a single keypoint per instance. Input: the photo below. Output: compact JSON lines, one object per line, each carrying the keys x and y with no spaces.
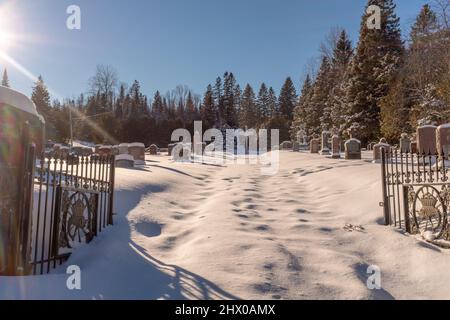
{"x":163,"y":43}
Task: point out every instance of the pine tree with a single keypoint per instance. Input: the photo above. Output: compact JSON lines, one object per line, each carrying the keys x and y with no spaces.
{"x":157,"y":106}
{"x":41,"y":98}
{"x":375,"y":64}
{"x":229,"y":107}
{"x":5,"y":79}
{"x":287,"y":99}
{"x":300,"y":114}
{"x":263,"y":103}
{"x":247,"y":117}
{"x":340,"y":62}
{"x":273,"y":103}
{"x":208,"y":110}
{"x":218,"y":102}
{"x":191,"y":111}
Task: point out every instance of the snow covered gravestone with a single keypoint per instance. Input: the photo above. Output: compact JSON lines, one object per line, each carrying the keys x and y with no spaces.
{"x":325,"y":143}
{"x":153,"y":149}
{"x":353,"y":149}
{"x":137,"y":150}
{"x":443,"y":140}
{"x":377,"y":150}
{"x":296,"y":146}
{"x":426,"y":139}
{"x":405,"y":143}
{"x":286,"y":145}
{"x":124,"y":161}
{"x":336,"y":147}
{"x":123,"y":148}
{"x":314,"y":146}
{"x":105,"y":151}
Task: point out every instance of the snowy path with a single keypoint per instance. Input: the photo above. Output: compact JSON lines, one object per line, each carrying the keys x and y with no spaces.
{"x":212,"y":232}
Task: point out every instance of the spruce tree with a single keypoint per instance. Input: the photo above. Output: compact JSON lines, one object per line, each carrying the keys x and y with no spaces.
{"x":340,"y":62}
{"x":208,"y":110}
{"x":300,"y":115}
{"x":5,"y":79}
{"x":247,"y":117}
{"x":287,"y":99}
{"x":229,"y":108}
{"x":218,"y":102}
{"x":263,"y":103}
{"x":375,"y":64}
{"x":273,"y":103}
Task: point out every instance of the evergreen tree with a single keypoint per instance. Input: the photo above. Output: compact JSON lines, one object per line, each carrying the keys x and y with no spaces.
{"x":273,"y":104}
{"x":229,"y":108}
{"x":300,"y":113}
{"x":340,"y":62}
{"x":5,"y":79}
{"x":41,"y":98}
{"x":218,"y":102}
{"x":247,"y":117}
{"x":374,"y":66}
{"x":263,"y":104}
{"x":287,"y":99}
{"x":208,"y":110}
{"x":158,"y":106}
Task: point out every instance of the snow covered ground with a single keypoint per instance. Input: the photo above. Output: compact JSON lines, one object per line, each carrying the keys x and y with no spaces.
{"x":193,"y":231}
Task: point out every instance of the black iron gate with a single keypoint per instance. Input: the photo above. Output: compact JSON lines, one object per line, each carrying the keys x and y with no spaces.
{"x":416,"y":192}
{"x":73,"y":202}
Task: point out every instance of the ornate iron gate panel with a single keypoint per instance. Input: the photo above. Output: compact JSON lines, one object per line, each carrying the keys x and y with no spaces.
{"x":416,"y":193}
{"x":76,"y":218}
{"x":73,"y":202}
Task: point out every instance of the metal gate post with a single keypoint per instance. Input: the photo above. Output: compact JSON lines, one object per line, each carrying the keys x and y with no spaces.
{"x":406,"y":209}
{"x":387,"y":216}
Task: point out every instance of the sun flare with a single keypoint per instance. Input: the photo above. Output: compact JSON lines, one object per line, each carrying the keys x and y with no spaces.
{"x":5,"y":40}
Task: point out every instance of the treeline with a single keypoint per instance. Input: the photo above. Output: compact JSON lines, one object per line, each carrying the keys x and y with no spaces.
{"x":109,"y":114}
{"x":385,"y":86}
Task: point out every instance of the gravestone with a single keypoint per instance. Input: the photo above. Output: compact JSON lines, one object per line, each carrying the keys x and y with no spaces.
{"x":115,"y":150}
{"x":137,"y":150}
{"x":314,"y":145}
{"x":443,"y":140}
{"x":153,"y":149}
{"x":123,"y":148}
{"x":105,"y":151}
{"x":296,"y":146}
{"x":62,"y":153}
{"x":124,"y":161}
{"x":97,"y":148}
{"x":426,"y":139}
{"x":325,"y":143}
{"x":286,"y":145}
{"x":413,"y":147}
{"x":405,"y":143}
{"x":377,"y":149}
{"x":353,"y":149}
{"x":336,"y":147}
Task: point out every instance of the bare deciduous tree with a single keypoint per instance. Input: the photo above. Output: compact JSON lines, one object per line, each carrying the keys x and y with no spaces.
{"x":104,"y":81}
